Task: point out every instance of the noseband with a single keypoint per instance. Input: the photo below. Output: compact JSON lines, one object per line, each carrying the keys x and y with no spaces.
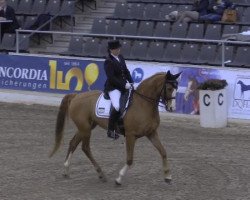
{"x":165,"y":100}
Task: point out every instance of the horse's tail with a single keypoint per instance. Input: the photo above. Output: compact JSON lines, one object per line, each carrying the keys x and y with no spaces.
{"x":63,"y":111}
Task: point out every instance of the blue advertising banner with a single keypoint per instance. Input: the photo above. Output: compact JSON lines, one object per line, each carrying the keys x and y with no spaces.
{"x":62,"y":75}
{"x":56,"y":75}
{"x":187,"y":100}
{"x":187,"y":96}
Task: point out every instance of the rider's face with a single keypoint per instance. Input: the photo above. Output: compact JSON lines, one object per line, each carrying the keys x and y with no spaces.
{"x":115,"y":52}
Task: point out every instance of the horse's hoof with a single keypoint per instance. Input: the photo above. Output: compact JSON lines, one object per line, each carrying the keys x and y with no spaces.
{"x":168,"y":179}
{"x":103,"y":178}
{"x":66,"y":176}
{"x":118,"y":183}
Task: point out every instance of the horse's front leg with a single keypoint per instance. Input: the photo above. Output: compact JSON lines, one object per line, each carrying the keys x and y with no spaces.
{"x":154,"y":138}
{"x":130,"y":144}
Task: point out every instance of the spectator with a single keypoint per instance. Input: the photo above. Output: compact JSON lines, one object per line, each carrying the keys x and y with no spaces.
{"x":199,"y":9}
{"x":216,"y":9}
{"x":7,"y":13}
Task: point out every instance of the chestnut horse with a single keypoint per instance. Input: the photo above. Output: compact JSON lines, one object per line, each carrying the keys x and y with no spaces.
{"x":142,"y":119}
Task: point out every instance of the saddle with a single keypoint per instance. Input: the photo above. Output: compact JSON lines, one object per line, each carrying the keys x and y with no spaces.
{"x":104,"y":108}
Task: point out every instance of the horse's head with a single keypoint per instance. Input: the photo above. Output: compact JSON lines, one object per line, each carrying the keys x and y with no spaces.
{"x":169,"y":89}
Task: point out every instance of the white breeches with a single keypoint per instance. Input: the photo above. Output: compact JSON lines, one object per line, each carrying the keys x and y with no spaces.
{"x":115,"y":96}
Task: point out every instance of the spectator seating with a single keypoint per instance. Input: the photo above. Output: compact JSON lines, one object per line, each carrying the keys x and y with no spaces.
{"x":75,"y":47}
{"x":29,"y":21}
{"x":206,"y":54}
{"x":155,"y":51}
{"x":242,"y":57}
{"x":121,"y":11}
{"x":231,"y":29}
{"x":126,"y":48}
{"x":146,"y":28}
{"x":179,"y":30}
{"x":139,"y":50}
{"x":24,"y":42}
{"x":99,"y":26}
{"x":91,"y":48}
{"x":228,"y":53}
{"x":114,"y":27}
{"x":188,"y":52}
{"x":24,"y":7}
{"x":130,"y":28}
{"x":53,"y":7}
{"x":38,"y":7}
{"x":136,"y":11}
{"x":172,"y":52}
{"x":13,"y":3}
{"x":162,"y":29}
{"x":8,"y":42}
{"x":20,"y":20}
{"x":213,"y":32}
{"x":103,"y":50}
{"x":152,"y":10}
{"x":146,"y":18}
{"x":28,"y":11}
{"x":195,"y":31}
{"x":165,"y":29}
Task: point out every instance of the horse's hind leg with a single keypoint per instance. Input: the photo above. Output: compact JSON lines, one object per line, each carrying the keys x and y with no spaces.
{"x":87,"y":151}
{"x":130,"y":144}
{"x":154,"y":138}
{"x":72,"y":147}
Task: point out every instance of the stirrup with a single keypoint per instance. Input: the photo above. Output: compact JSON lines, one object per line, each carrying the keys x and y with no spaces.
{"x":113,"y":135}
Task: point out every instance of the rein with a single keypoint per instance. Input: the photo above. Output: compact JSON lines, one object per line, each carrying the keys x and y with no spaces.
{"x":157,"y":100}
{"x":149,"y":99}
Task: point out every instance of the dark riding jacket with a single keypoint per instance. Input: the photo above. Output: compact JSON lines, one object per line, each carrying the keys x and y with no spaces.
{"x":117,"y":74}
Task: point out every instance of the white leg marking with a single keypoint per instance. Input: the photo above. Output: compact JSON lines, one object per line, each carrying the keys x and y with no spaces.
{"x":67,"y":162}
{"x":122,"y":173}
{"x":66,"y":165}
{"x":169,"y":177}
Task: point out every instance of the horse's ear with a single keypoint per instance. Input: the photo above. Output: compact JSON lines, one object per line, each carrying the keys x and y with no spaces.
{"x":168,"y":74}
{"x":176,"y":75}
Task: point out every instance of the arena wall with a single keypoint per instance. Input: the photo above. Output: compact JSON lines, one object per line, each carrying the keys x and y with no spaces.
{"x":45,"y":79}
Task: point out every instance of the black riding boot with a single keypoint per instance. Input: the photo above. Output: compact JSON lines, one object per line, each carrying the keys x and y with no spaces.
{"x":114,"y":117}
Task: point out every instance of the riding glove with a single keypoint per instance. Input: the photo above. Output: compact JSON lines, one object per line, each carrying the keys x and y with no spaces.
{"x":128,"y":86}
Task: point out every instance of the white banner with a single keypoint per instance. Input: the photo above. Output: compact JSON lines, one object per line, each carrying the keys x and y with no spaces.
{"x":238,"y":84}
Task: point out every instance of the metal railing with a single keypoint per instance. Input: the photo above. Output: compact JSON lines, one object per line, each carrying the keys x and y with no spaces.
{"x":38,"y":30}
{"x":223,"y":42}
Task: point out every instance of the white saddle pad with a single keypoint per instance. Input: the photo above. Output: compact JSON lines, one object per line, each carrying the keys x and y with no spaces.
{"x":103,"y":105}
{"x":102,"y":108}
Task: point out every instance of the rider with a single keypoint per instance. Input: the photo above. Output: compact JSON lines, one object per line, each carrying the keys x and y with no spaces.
{"x":118,"y":80}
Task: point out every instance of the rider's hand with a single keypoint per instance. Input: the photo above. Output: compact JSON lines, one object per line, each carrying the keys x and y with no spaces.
{"x":128,"y":86}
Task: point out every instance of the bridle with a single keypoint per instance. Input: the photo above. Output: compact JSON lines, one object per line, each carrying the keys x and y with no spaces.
{"x":164,"y":100}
